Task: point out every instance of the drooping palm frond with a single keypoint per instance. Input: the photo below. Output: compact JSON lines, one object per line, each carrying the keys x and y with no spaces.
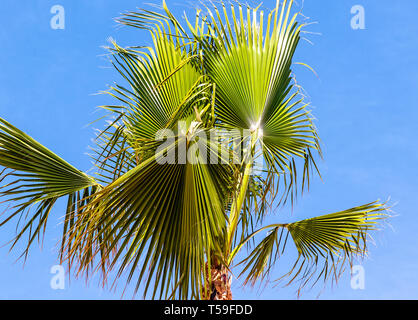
{"x":169,"y":214}
{"x":325,"y":244}
{"x":164,"y":221}
{"x":39,"y":177}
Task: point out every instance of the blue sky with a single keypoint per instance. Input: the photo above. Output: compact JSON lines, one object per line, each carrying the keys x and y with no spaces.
{"x":364,"y":99}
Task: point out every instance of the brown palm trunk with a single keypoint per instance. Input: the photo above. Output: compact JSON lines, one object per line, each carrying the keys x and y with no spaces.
{"x":218,"y":283}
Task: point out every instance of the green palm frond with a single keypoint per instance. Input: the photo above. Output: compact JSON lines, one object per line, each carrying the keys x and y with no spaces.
{"x":165,"y":84}
{"x":143,"y":198}
{"x":162,"y":220}
{"x":249,"y":57}
{"x":252,"y":72}
{"x":325,"y":244}
{"x":38,"y":178}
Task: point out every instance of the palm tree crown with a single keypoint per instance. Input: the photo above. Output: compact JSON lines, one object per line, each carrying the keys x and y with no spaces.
{"x":178,"y":191}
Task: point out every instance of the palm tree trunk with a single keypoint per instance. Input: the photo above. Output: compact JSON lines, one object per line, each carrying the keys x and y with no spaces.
{"x":218,"y":283}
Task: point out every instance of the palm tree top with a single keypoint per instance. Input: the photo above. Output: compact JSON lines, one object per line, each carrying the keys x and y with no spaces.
{"x":177,"y":193}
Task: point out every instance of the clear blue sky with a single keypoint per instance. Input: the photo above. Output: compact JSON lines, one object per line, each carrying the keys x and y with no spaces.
{"x":365,"y":101}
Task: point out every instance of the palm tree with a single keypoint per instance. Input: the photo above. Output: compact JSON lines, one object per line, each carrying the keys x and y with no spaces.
{"x":157,"y":210}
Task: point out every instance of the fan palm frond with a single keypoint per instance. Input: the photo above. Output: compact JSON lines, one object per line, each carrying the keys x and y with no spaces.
{"x":170,"y":215}
{"x":38,"y":178}
{"x":250,"y":61}
{"x":325,"y":244}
